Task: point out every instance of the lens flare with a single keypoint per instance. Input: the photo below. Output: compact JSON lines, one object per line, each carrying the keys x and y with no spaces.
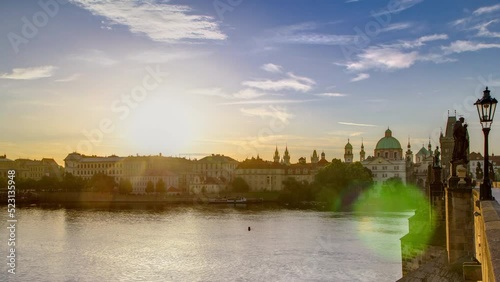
{"x":392,"y":200}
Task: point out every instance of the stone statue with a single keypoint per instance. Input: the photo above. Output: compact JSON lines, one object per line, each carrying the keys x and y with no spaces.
{"x":461,"y":142}
{"x":437,"y":160}
{"x":479,"y":171}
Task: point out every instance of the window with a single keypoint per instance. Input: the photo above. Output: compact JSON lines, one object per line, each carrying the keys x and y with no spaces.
{"x":386,"y":155}
{"x":395,"y":155}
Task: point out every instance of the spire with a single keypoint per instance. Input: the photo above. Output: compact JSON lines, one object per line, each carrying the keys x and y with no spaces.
{"x":409,"y":146}
{"x":286,"y":156}
{"x":276,"y":157}
{"x":362,"y":153}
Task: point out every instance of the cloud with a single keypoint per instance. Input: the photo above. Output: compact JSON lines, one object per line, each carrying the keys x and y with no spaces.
{"x":69,"y":78}
{"x":486,"y":10}
{"x":461,"y":46}
{"x":356,"y":124}
{"x":292,"y":82}
{"x":30,"y":73}
{"x":159,"y":21}
{"x":397,"y":6}
{"x":248,"y":93}
{"x":216,"y":92}
{"x":394,"y":56}
{"x":302,"y":34}
{"x":484,"y":31}
{"x":383,"y":59}
{"x":331,"y":94}
{"x":419,"y":42}
{"x":269,"y":101}
{"x":272,"y":68}
{"x":361,"y":76}
{"x":270,"y":111}
{"x":94,"y":56}
{"x":396,"y":26}
{"x":156,"y":57}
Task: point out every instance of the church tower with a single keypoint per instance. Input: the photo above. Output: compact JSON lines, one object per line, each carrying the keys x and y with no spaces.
{"x":276,"y":155}
{"x":429,"y":147}
{"x":362,"y":153}
{"x":314,"y":157}
{"x":348,"y":156}
{"x":286,"y":157}
{"x":409,"y":153}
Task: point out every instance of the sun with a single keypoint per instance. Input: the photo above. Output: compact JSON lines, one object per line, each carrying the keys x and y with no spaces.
{"x":162,"y":125}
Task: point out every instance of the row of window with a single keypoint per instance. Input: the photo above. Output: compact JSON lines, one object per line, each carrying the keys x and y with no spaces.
{"x":396,"y":167}
{"x":386,"y":155}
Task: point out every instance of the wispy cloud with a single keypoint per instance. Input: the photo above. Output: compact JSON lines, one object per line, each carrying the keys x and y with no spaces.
{"x":394,"y":56}
{"x":382,"y":59}
{"x":272,"y":68}
{"x":216,"y":91}
{"x":356,"y":124}
{"x":29,"y":73}
{"x":270,"y":111}
{"x":155,"y":57}
{"x":398,"y":6}
{"x":248,"y":93}
{"x":331,"y":94}
{"x":461,"y":46}
{"x":486,"y":10}
{"x":269,"y":101}
{"x":94,"y":56}
{"x":483,"y":29}
{"x":160,"y":21}
{"x":304,"y":34}
{"x":396,"y":26}
{"x":69,"y":78}
{"x":361,"y":76}
{"x":292,"y":82}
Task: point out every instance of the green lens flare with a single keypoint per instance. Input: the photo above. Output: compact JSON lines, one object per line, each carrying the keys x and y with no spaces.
{"x":392,"y":200}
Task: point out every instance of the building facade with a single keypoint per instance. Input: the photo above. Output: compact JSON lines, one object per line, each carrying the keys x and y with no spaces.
{"x":387,"y":160}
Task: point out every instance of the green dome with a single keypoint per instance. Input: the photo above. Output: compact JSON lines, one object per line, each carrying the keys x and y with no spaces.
{"x":388,"y":142}
{"x":348,"y":145}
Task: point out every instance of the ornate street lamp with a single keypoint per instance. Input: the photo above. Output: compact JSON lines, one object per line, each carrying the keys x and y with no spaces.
{"x":486,"y":107}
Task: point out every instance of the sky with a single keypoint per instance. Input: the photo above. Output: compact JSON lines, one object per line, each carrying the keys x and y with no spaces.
{"x":241,"y":77}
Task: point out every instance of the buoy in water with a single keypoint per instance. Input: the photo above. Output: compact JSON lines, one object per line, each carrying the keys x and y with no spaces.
{"x":249,"y":228}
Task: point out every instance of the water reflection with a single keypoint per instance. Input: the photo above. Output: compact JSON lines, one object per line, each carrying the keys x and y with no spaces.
{"x":209,"y":243}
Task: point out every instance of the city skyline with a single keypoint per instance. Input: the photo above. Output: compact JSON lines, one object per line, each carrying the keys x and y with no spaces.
{"x":194,"y":78}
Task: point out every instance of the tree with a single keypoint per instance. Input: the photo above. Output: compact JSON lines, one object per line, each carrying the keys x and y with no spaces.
{"x":48,"y":183}
{"x":160,"y":187}
{"x":72,"y":183}
{"x":101,"y":182}
{"x":340,"y":183}
{"x":296,"y":191}
{"x":240,"y":185}
{"x":125,"y":186}
{"x":150,"y":187}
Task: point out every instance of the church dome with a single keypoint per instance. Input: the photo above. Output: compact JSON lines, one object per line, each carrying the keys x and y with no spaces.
{"x":348,"y":145}
{"x":388,"y":142}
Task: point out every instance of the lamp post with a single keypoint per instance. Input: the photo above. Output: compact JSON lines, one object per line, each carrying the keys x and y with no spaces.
{"x":486,"y":107}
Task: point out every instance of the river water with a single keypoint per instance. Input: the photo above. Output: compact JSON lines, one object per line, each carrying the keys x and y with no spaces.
{"x":204,"y":243}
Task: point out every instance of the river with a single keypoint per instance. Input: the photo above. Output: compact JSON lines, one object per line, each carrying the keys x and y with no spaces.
{"x":204,"y":243}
